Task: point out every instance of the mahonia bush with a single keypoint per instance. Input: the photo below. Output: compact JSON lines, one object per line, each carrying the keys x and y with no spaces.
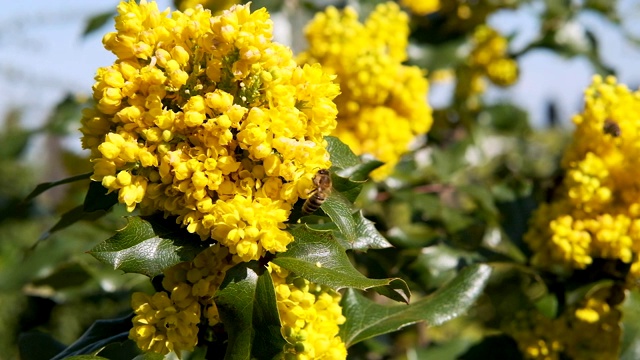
{"x":587,"y":330}
{"x":488,"y":58}
{"x":310,"y":314}
{"x":594,"y":214}
{"x":383,"y":103}
{"x":206,"y":119}
{"x":168,"y":320}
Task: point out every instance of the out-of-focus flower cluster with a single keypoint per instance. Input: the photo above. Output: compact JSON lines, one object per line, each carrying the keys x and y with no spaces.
{"x":168,"y":320}
{"x":589,"y":330}
{"x":421,"y":7}
{"x":206,"y":119}
{"x":462,"y":16}
{"x":489,"y":56}
{"x":310,"y":315}
{"x":596,"y":211}
{"x":383,"y":104}
{"x":213,"y":5}
{"x":488,"y":59}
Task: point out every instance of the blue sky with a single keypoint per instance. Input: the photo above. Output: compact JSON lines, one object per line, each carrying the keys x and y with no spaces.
{"x":43,"y":57}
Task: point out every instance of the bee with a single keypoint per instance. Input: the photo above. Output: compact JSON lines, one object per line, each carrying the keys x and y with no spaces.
{"x":611,"y":127}
{"x":322,"y":182}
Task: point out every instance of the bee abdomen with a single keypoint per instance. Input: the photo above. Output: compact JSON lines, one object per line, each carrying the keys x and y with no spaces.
{"x":313,"y":203}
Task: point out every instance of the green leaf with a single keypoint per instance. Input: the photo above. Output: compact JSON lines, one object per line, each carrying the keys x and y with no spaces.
{"x":360,"y":172}
{"x":273,"y":6}
{"x":630,"y":345}
{"x":413,"y":235}
{"x":148,"y":246}
{"x":367,"y":236}
{"x":340,"y":210}
{"x":69,"y":218}
{"x":98,"y":198}
{"x":341,"y":155}
{"x":366,"y":319}
{"x":48,"y":185}
{"x":14,"y":138}
{"x":86,"y":357}
{"x":99,"y":334}
{"x":348,"y":188}
{"x":317,"y":257}
{"x":235,"y":300}
{"x":66,"y":112}
{"x":150,"y":356}
{"x":268,"y":341}
{"x":97,"y":21}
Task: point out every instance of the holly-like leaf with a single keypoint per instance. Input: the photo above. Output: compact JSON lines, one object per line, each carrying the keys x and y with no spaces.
{"x":151,"y":356}
{"x":97,"y":21}
{"x":100,"y":334}
{"x":268,"y":341}
{"x":69,"y":218}
{"x":340,"y":210}
{"x":235,"y":301}
{"x":361,"y":171}
{"x":318,"y":257}
{"x":148,"y":246}
{"x":48,"y":185}
{"x":341,"y":155}
{"x":367,"y":236}
{"x":630,"y":344}
{"x":348,"y":188}
{"x":366,"y":319}
{"x":98,"y":198}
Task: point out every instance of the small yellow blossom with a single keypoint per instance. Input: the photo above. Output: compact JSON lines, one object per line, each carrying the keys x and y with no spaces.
{"x":421,"y":7}
{"x":595,"y":214}
{"x":588,"y":330}
{"x":161,"y":325}
{"x":383,"y":105}
{"x":168,"y":320}
{"x":310,"y":316}
{"x":205,"y":119}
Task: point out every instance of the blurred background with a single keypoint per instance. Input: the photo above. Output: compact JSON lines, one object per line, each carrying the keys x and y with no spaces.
{"x":49,"y":53}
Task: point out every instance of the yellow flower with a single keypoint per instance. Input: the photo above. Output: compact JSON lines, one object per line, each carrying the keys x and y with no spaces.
{"x":489,"y":56}
{"x":168,"y":320}
{"x":421,"y":7}
{"x":161,"y":325}
{"x":204,"y":118}
{"x":383,"y":104}
{"x":587,"y":330}
{"x":596,"y":213}
{"x":310,"y":315}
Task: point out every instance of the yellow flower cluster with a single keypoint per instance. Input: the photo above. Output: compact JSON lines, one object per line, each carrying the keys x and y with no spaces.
{"x":205,"y":118}
{"x":421,"y":7}
{"x":596,"y":213}
{"x":589,"y":330}
{"x":310,"y":315}
{"x":168,"y":320}
{"x":489,"y":57}
{"x":213,"y":5}
{"x":383,"y":104}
